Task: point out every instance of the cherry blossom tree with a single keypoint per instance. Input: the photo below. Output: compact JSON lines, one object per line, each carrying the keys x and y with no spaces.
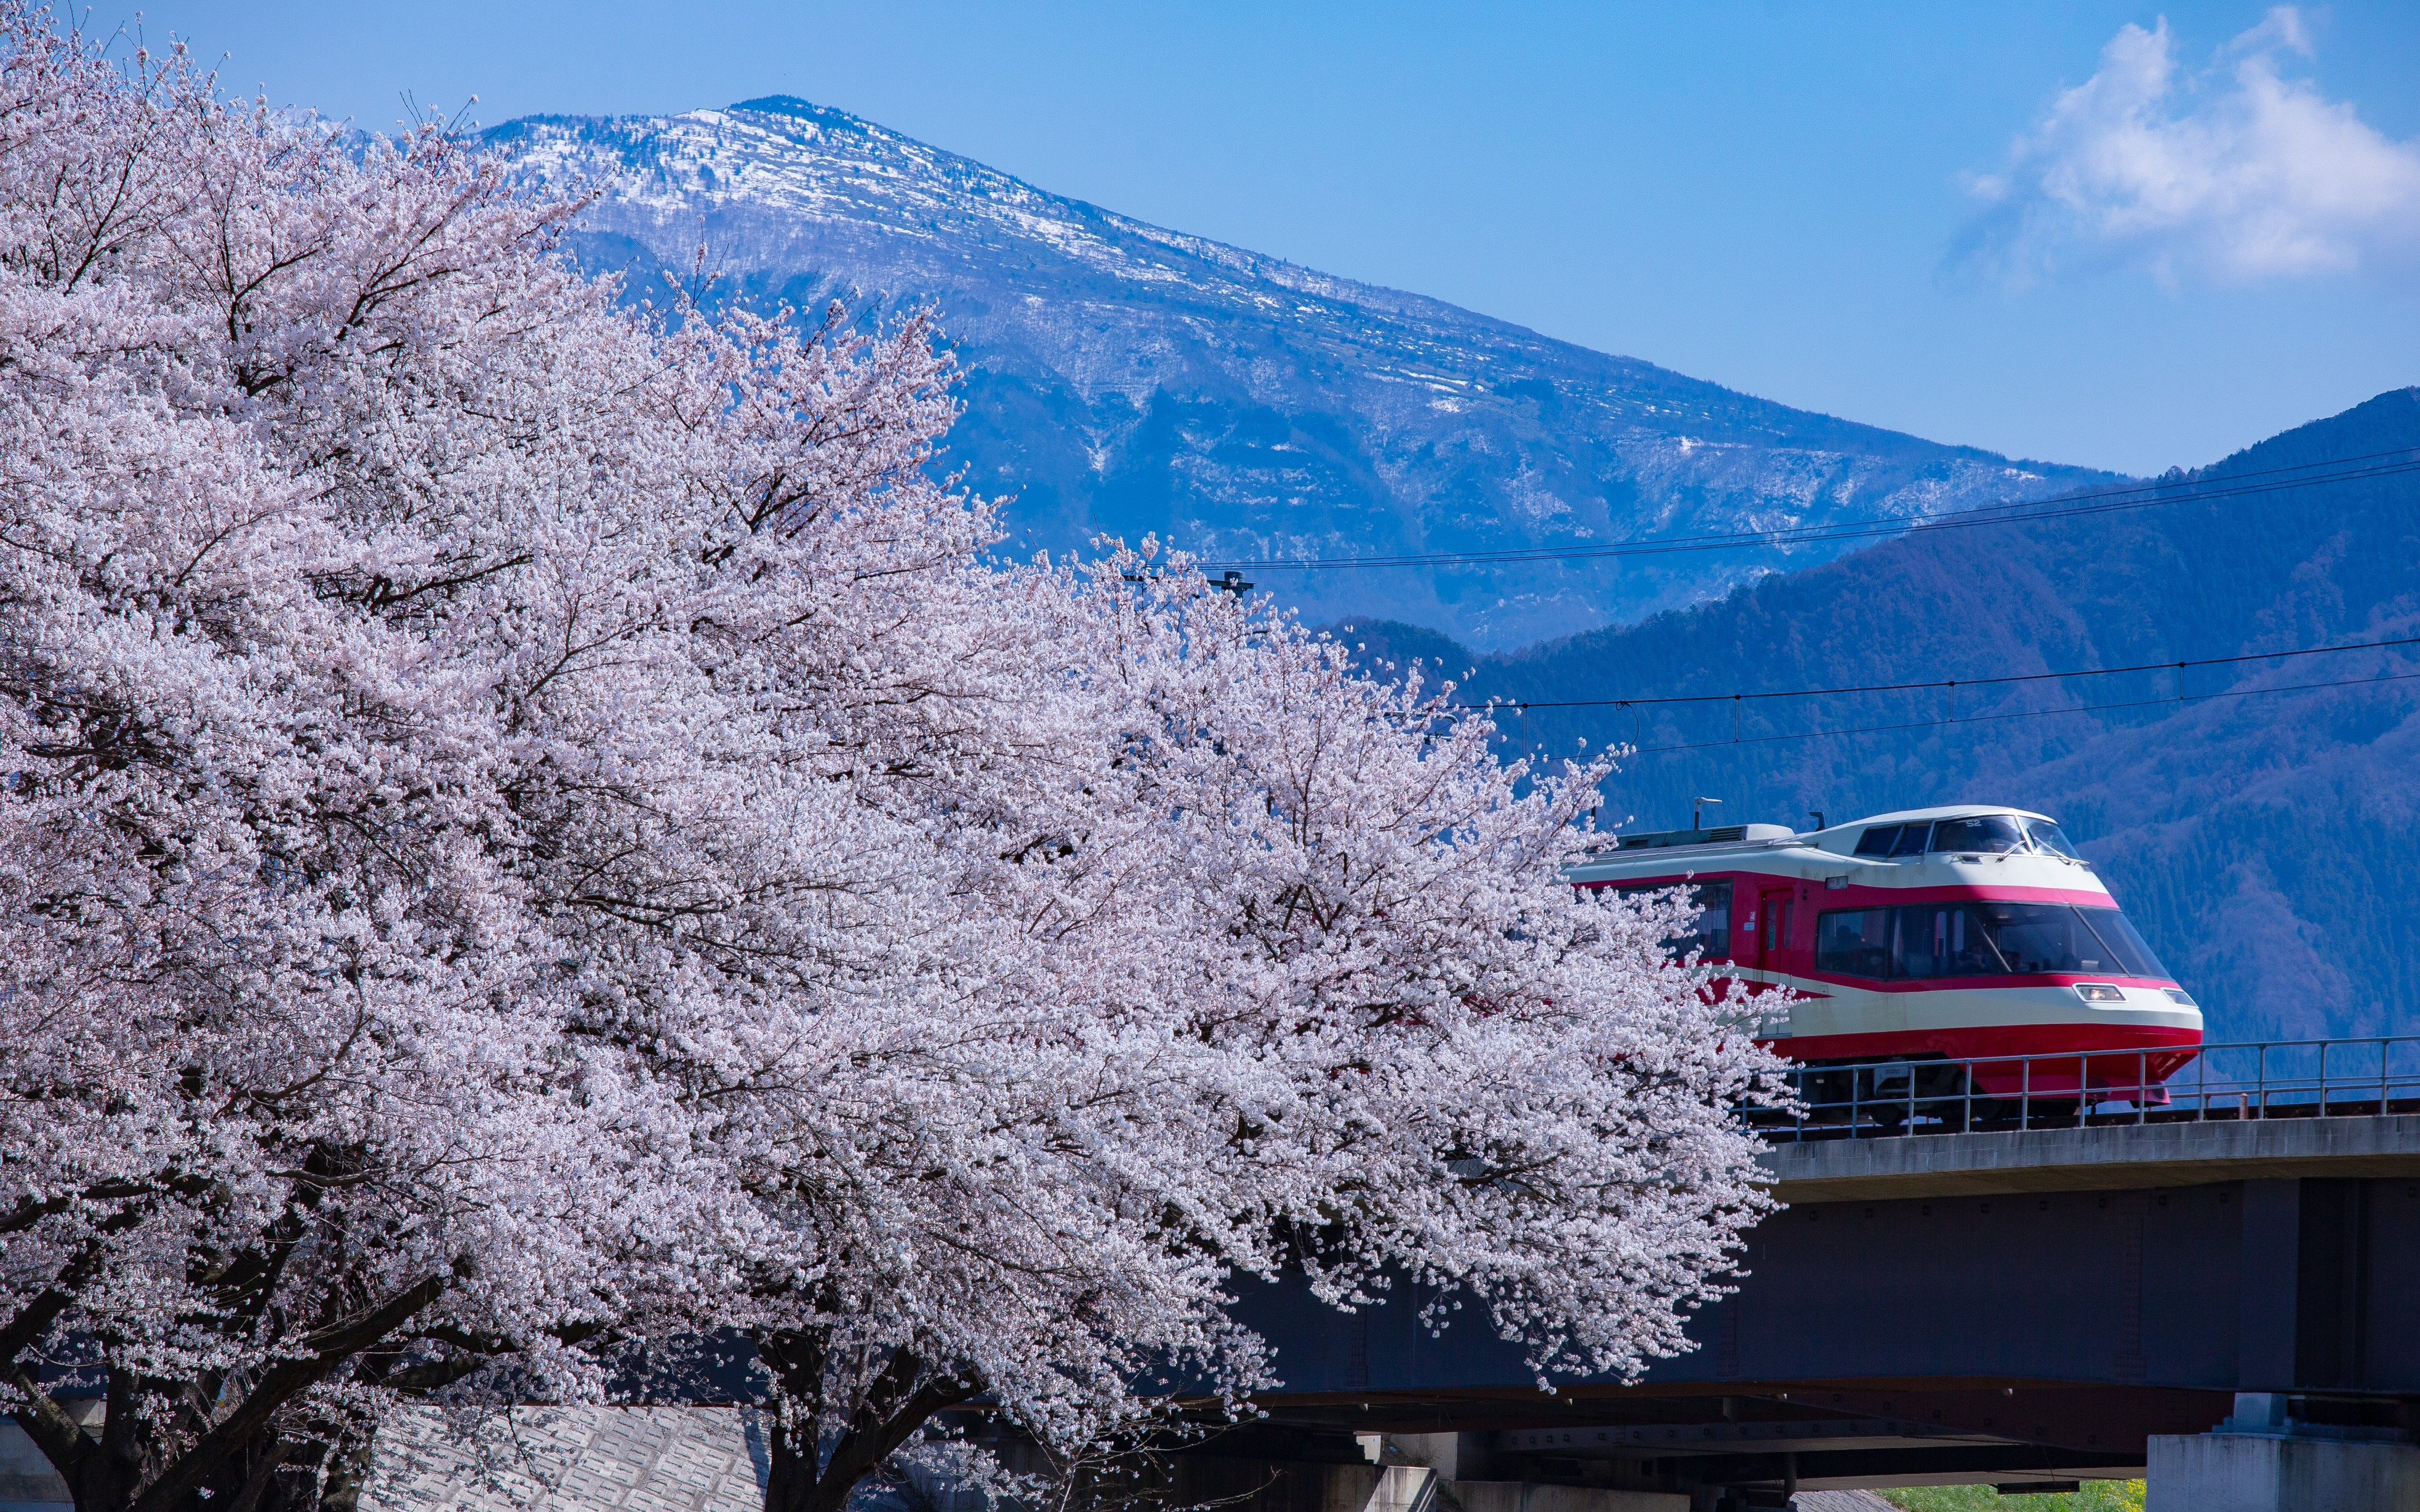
{"x":334,"y":518}
{"x":1231,"y":962}
{"x":529,"y":822}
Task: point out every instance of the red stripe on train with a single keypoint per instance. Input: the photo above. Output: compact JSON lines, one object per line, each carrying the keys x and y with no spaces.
{"x":2017,"y":1055}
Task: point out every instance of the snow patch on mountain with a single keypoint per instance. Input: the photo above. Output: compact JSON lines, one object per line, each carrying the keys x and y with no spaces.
{"x":1124,"y":379}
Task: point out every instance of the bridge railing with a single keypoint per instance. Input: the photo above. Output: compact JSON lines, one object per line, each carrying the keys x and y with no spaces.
{"x":2258,"y":1079}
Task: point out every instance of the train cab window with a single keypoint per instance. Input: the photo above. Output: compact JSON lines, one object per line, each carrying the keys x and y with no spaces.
{"x":1878,"y":840}
{"x":1991,"y":834}
{"x":1712,"y":938}
{"x":2040,"y":937}
{"x":1911,"y":841}
{"x":2135,"y":955}
{"x":2047,"y":837}
{"x":1855,"y":942}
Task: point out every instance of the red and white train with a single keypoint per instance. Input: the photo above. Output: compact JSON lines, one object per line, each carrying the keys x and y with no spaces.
{"x":1967,"y":934}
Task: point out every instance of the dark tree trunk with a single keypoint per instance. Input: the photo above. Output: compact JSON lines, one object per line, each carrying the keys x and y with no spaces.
{"x":821,"y":1450}
{"x":164,"y":1443}
{"x":794,"y":1461}
{"x":109,"y":1475}
{"x":349,"y":1470}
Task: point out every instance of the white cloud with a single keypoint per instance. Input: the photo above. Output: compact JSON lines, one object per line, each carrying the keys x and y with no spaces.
{"x":2241,"y":171}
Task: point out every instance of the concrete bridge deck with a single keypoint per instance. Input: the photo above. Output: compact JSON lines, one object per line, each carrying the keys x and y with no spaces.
{"x":2099,"y":1158}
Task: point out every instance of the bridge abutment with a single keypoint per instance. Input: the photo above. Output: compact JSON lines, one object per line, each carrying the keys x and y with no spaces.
{"x":2253,"y":1467}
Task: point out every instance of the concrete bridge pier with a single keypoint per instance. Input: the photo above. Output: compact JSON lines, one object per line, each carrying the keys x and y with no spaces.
{"x":2262,"y":1459}
{"x":1456,"y":1473}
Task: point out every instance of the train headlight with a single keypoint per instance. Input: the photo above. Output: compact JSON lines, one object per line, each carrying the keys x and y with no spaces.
{"x":2095,"y":992}
{"x":2178,"y":994}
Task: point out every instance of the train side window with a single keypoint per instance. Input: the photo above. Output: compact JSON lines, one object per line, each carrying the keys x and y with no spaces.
{"x":1923,"y":940}
{"x":1715,"y":919}
{"x":1878,"y":840}
{"x":1855,"y":942}
{"x":1712,"y":938}
{"x":1911,"y":841}
{"x":1945,"y":940}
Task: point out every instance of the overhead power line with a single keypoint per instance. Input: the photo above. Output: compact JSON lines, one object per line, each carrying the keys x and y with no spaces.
{"x":2029,"y":714}
{"x":2178,"y":698}
{"x":2152,"y":494}
{"x":1944,"y":683}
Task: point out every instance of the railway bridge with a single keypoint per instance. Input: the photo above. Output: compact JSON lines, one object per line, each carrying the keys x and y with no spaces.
{"x":2216,"y":1285}
{"x":2220,"y":1288}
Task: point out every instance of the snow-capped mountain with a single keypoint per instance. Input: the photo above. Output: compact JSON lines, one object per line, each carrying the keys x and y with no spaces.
{"x":1123,"y":378}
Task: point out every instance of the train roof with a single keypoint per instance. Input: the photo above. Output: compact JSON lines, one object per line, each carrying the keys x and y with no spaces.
{"x":1947,"y":811}
{"x":1846,"y":832}
{"x":1778,"y":847}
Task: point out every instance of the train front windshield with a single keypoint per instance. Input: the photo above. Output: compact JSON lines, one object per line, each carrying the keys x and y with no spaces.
{"x":1991,"y":834}
{"x":1981,"y":939}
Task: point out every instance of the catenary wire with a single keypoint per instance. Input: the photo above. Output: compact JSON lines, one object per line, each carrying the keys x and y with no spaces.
{"x":2152,"y":494}
{"x":2024,"y":714}
{"x":1944,"y":683}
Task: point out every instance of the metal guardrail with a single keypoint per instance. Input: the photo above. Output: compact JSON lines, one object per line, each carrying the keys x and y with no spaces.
{"x":2259,"y":1079}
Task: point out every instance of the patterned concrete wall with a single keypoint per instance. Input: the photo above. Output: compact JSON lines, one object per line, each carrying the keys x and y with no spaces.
{"x":569,"y":1459}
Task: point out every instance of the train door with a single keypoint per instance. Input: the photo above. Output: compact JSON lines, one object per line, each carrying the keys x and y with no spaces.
{"x":1774,"y":917}
{"x":1774,"y":910}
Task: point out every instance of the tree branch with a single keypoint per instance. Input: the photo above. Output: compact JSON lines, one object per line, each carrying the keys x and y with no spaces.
{"x":887,"y":1416}
{"x":63,"y":1445}
{"x":327,"y":1349}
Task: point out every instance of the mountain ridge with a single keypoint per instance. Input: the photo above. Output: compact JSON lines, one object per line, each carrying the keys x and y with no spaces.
{"x":1122,"y":377}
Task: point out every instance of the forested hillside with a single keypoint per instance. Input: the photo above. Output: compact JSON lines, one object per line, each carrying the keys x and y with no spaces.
{"x":2269,"y":845}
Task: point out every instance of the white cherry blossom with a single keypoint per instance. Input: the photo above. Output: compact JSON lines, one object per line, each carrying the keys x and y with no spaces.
{"x":532,"y":826}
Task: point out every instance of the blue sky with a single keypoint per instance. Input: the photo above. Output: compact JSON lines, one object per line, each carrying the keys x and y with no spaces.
{"x":2099,"y":234}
